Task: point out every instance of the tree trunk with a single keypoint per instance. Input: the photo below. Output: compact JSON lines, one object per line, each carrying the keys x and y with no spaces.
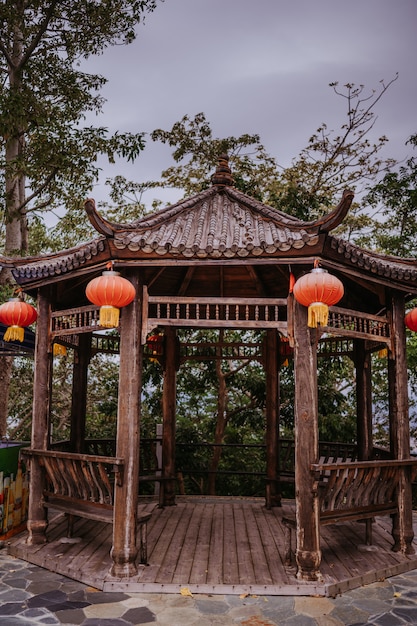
{"x":16,"y":239}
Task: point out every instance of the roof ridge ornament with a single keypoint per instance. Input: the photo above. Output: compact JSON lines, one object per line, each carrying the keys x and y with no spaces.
{"x":223,"y":174}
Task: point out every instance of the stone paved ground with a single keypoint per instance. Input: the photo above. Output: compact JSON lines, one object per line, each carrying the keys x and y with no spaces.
{"x":30,"y":595}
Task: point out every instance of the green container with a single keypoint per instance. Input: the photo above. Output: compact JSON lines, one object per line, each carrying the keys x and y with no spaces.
{"x":9,"y":456}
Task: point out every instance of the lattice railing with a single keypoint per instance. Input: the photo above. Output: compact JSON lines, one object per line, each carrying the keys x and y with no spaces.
{"x":216,"y":312}
{"x":232,"y":350}
{"x":81,"y":319}
{"x":259,"y":313}
{"x":347,"y":323}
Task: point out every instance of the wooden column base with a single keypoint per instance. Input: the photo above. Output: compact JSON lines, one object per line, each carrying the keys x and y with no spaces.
{"x":124,"y":565}
{"x":403,"y":544}
{"x":308,"y":565}
{"x":37,"y":532}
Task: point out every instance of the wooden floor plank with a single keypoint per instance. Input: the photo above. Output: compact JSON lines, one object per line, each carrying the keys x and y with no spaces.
{"x":273,"y":549}
{"x":199,"y":569}
{"x":218,"y":545}
{"x":190,"y":547}
{"x":178,"y":528}
{"x":230,"y":556}
{"x":259,"y":560}
{"x":216,"y":548}
{"x":245,"y":564}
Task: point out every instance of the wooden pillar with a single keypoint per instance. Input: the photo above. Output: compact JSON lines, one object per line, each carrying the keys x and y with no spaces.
{"x":308,"y":554}
{"x":79,"y":392}
{"x":403,"y":533}
{"x":362,"y":359}
{"x":271,"y":344}
{"x":124,"y":551}
{"x":37,"y":520}
{"x":169,"y":416}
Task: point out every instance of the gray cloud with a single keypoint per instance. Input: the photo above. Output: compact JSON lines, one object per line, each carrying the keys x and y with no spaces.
{"x":260,"y":66}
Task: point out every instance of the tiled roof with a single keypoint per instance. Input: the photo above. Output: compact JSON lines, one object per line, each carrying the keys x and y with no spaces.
{"x":216,"y":225}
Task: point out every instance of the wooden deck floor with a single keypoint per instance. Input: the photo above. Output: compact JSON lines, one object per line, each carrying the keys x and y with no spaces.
{"x":218,"y":546}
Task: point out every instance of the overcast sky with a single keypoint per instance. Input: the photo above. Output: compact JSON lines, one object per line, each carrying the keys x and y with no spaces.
{"x":260,"y":66}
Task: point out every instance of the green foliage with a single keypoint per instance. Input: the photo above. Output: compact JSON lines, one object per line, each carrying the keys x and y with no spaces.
{"x":20,"y":409}
{"x":48,"y":158}
{"x":396,"y":198}
{"x":331,"y":161}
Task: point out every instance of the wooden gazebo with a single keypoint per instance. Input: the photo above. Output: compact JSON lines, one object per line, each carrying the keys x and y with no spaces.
{"x":221,"y":259}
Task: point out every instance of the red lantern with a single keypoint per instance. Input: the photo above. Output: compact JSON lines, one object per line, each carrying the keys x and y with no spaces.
{"x":318,"y":290}
{"x":110,"y":292}
{"x":285,"y":351}
{"x":155,"y":345}
{"x":16,"y":314}
{"x":411,"y":320}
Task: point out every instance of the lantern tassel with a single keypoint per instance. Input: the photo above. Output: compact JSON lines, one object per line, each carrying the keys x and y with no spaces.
{"x":109,"y":316}
{"x":14,"y":333}
{"x":59,"y":350}
{"x":318,"y":313}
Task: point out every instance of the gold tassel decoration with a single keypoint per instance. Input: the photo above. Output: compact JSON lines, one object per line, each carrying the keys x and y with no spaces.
{"x":109,"y":316}
{"x":59,"y":350}
{"x":318,"y":313}
{"x":14,"y":333}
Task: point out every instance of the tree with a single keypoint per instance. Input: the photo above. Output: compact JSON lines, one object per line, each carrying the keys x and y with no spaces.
{"x":395,"y":197}
{"x":331,"y":161}
{"x":46,"y":156}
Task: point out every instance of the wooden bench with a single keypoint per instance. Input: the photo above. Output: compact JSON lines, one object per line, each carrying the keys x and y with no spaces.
{"x":352,"y":491}
{"x":81,"y":485}
{"x":150,"y":459}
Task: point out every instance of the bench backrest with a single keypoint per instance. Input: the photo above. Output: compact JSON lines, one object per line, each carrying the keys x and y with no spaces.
{"x":79,"y":476}
{"x":360,"y":483}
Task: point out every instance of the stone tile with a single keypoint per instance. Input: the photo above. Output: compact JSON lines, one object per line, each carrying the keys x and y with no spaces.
{"x":350,"y":615}
{"x":104,"y":622}
{"x":314,"y":607}
{"x":408,"y":614}
{"x":372,"y":606}
{"x":211,"y":606}
{"x":328,"y":620}
{"x":13,"y":595}
{"x":15,"y":582}
{"x":20,"y":621}
{"x":136,"y":601}
{"x":388,"y":619}
{"x":70,"y":616}
{"x":175,"y":616}
{"x":298,"y":620}
{"x":139,"y":615}
{"x":107,"y":610}
{"x":12,"y":608}
{"x":48,"y":598}
{"x":103,"y":597}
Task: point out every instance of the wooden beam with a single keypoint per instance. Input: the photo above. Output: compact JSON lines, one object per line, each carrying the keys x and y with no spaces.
{"x":169,"y":417}
{"x":362,"y":360}
{"x":186,"y":281}
{"x":79,"y":392}
{"x":273,"y":497}
{"x":399,"y":423}
{"x":125,"y":550}
{"x":308,"y":553}
{"x":42,"y":383}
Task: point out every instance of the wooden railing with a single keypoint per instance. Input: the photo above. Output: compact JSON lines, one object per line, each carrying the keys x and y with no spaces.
{"x":349,"y":323}
{"x":79,"y":476}
{"x":359,"y":485}
{"x":148,"y":457}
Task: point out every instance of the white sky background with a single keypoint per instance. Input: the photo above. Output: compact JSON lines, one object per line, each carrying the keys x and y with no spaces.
{"x":258,"y":66}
